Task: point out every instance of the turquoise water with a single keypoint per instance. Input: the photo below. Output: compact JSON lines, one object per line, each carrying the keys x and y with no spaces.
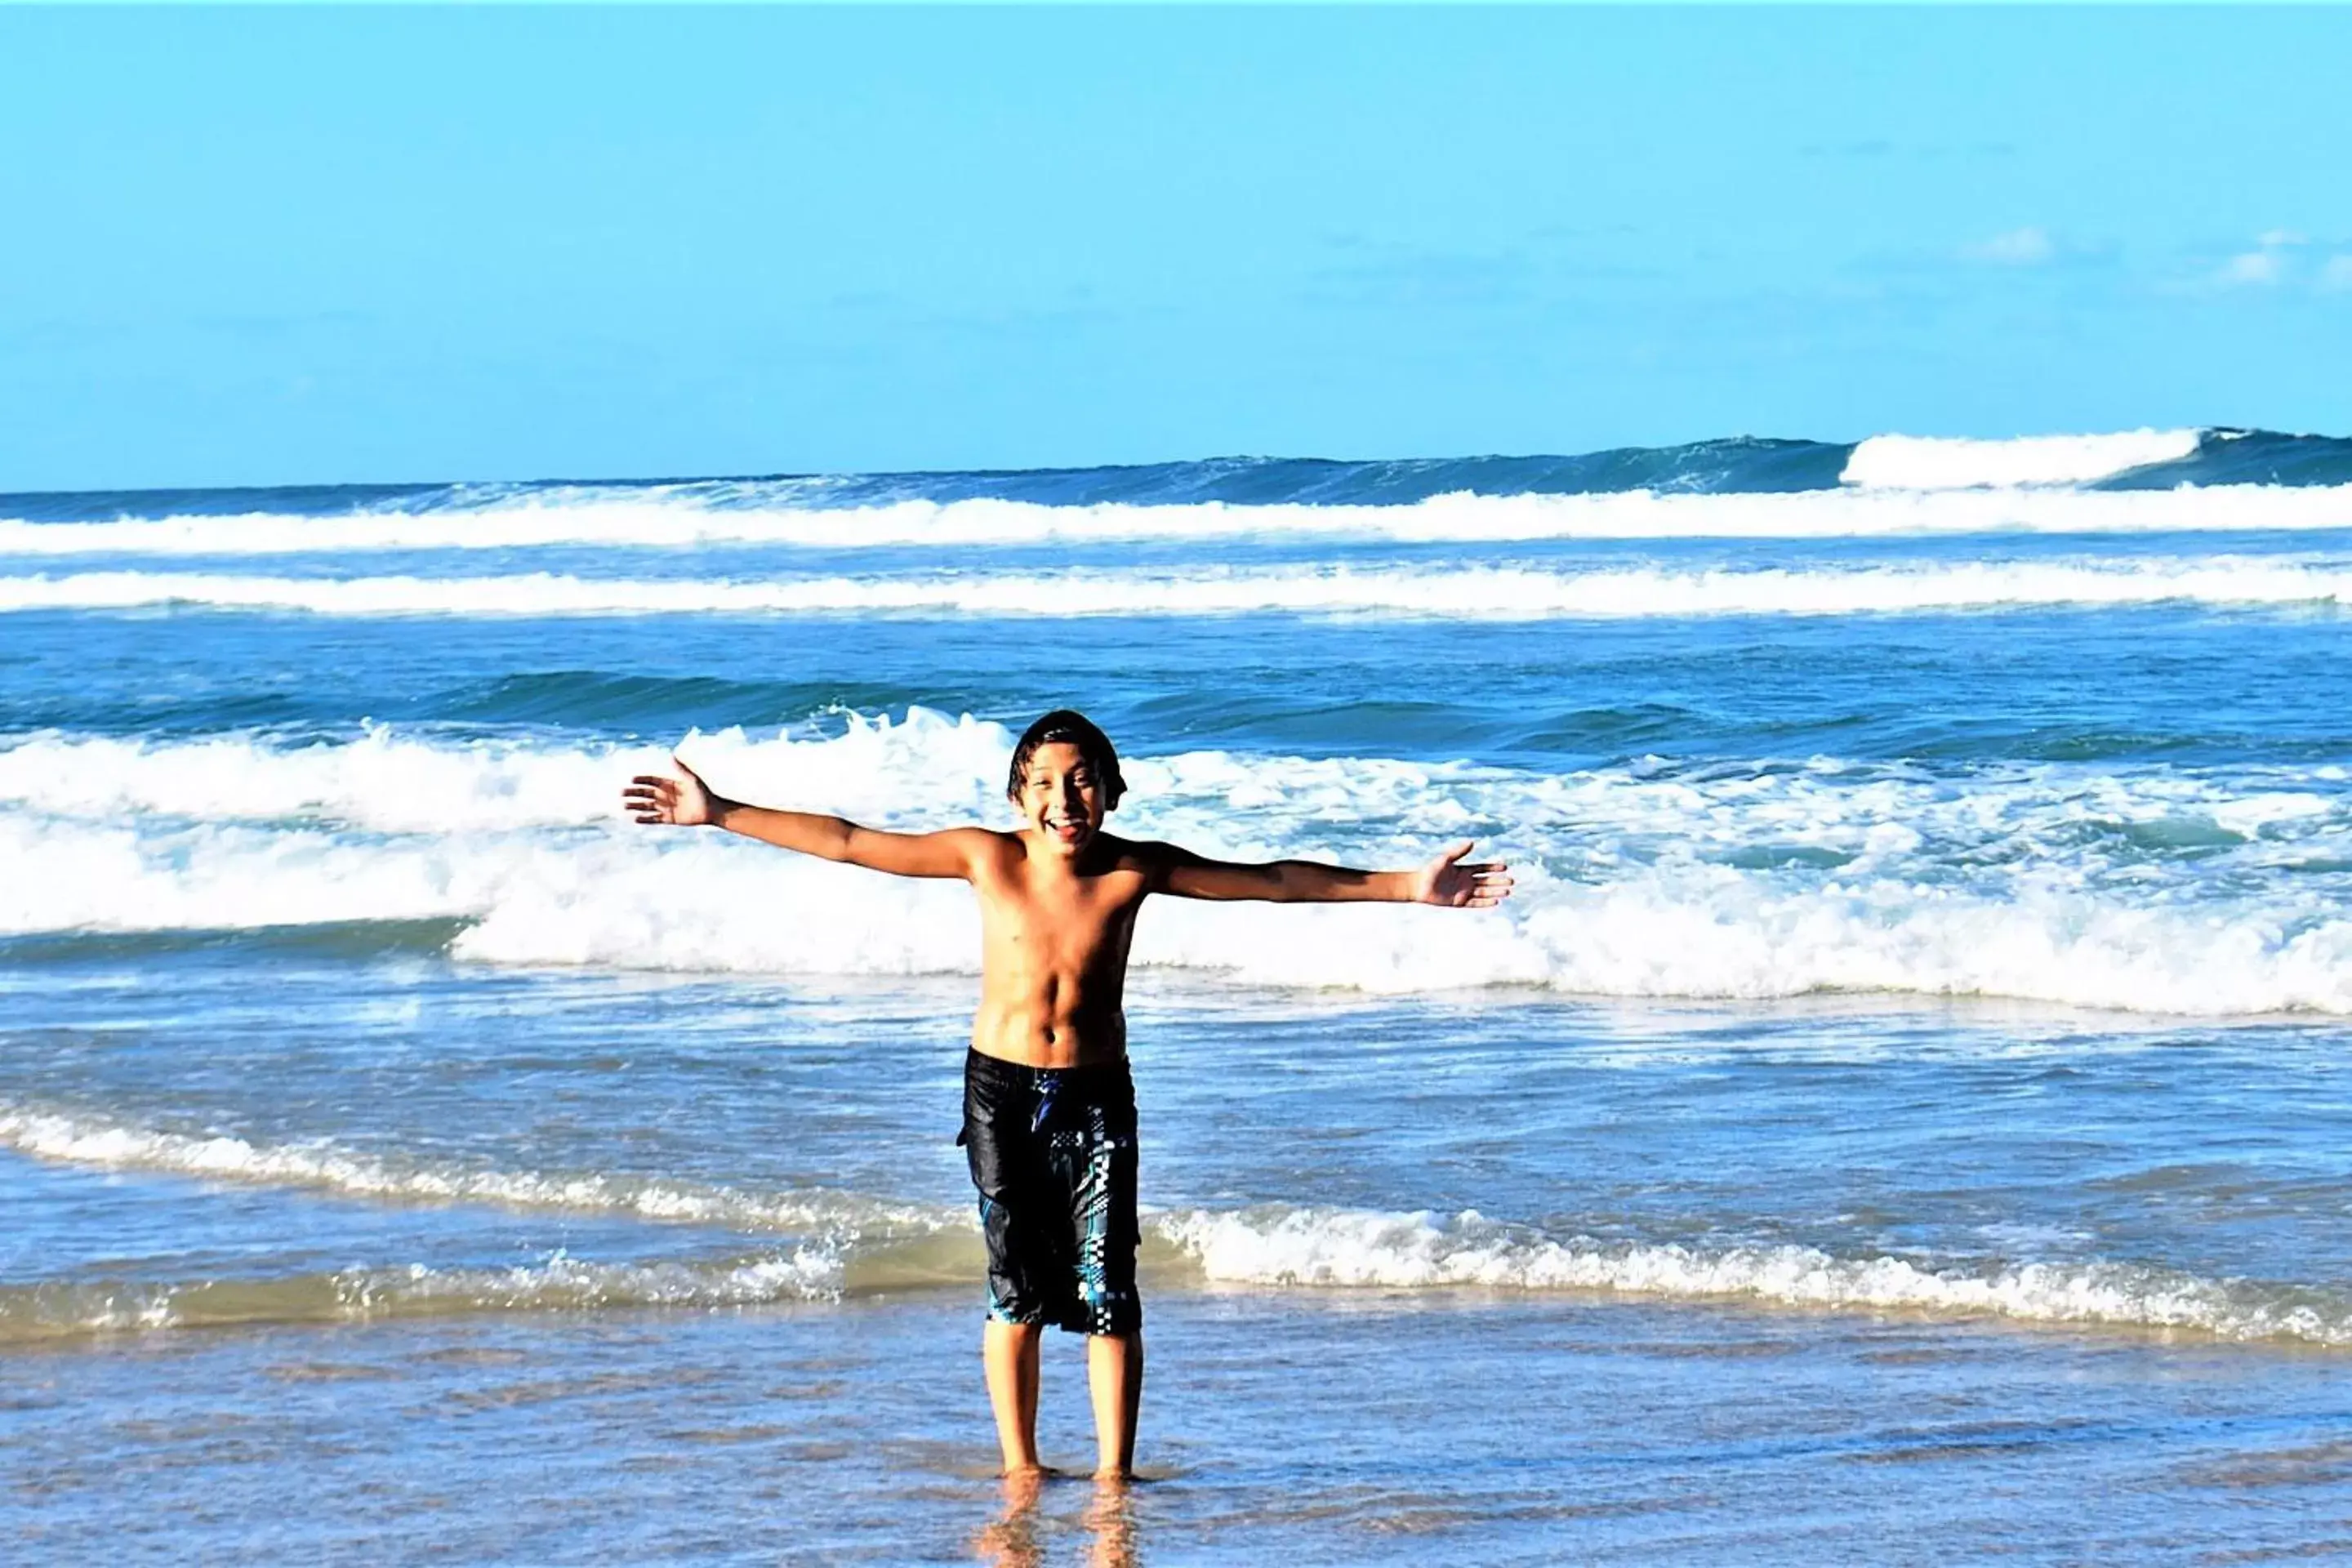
{"x":1903,"y":1101}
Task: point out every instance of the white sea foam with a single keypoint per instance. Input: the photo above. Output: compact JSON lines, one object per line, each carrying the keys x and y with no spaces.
{"x":1875,"y":503}
{"x":31,"y":1313}
{"x":1278,"y":1247}
{"x":385,"y":782}
{"x":2036,"y":881}
{"x":393,"y":782}
{"x":1684,"y":932}
{"x":1939,"y":463}
{"x":1283,"y":1245}
{"x":837,"y":1235}
{"x":1274,"y":1245}
{"x":107,"y":1143}
{"x":1473,"y":592}
{"x":927,"y":767}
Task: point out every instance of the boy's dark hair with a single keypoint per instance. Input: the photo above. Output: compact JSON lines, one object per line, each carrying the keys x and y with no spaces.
{"x":1071,"y":728}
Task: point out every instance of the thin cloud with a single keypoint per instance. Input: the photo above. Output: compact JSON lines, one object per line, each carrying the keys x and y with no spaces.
{"x":2251,"y":269}
{"x":2335,"y":278}
{"x":2265,"y":266}
{"x":2028,"y":246}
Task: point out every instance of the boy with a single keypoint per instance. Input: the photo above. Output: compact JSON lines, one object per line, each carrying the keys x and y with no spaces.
{"x":1049,"y":1109}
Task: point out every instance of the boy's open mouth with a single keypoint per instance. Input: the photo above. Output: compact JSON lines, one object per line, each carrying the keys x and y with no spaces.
{"x":1065,"y":827}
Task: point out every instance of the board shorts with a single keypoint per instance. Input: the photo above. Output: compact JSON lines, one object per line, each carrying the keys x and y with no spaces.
{"x":1053,"y":1152}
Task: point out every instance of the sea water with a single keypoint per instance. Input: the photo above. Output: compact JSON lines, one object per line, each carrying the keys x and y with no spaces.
{"x":1902,"y":1115}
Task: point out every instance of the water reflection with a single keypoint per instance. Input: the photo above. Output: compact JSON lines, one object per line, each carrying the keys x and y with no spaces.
{"x":1015,"y":1538}
{"x":1111,"y":1521}
{"x":1009,"y":1540}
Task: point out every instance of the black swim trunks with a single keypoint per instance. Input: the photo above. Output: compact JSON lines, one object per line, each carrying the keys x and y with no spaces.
{"x":1053,"y":1152}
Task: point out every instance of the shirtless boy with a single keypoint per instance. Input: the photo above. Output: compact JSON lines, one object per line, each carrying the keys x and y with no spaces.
{"x":1049,"y":1109}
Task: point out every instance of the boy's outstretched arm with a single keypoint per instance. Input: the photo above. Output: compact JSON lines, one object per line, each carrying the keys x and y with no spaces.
{"x":687,"y":802}
{"x":1448,"y":880}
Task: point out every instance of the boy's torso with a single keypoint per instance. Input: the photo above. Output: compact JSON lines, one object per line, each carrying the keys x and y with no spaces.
{"x":1054,"y":947}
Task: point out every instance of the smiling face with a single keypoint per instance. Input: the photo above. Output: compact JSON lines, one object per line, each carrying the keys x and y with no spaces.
{"x":1061,"y":798}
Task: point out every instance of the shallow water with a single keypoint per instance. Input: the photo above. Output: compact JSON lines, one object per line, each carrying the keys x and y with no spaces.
{"x":1373,"y":1427}
{"x":1904,"y":1101}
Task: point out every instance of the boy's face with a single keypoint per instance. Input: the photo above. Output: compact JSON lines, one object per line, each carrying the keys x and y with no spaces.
{"x":1061,"y":798}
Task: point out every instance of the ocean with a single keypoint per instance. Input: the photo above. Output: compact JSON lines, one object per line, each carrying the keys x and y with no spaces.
{"x":1903,"y":1115}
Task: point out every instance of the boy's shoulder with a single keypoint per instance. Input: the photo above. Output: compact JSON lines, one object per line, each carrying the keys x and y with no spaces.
{"x":994,"y":840}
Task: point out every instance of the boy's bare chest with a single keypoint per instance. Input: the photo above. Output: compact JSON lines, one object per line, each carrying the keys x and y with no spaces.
{"x":1071,"y":918}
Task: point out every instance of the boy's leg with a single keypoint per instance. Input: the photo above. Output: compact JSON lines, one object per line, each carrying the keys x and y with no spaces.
{"x":1009,"y":1353}
{"x":1115,"y":1379}
{"x":1102,"y":1180}
{"x":1002,"y":1148}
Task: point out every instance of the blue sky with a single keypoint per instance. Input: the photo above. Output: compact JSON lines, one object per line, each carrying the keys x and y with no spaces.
{"x":286,"y":245}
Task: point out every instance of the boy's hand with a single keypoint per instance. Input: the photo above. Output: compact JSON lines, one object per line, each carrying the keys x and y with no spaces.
{"x":1449,"y":881}
{"x":682,"y":801}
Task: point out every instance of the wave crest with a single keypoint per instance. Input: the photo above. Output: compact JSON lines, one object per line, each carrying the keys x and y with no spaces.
{"x":1935,"y":463}
{"x":459,"y":516}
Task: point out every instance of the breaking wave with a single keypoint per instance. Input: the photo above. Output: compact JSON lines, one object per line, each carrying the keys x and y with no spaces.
{"x":1738,"y":467}
{"x":1937,"y":463}
{"x":673,"y":523}
{"x":2145,"y":888}
{"x":1285,"y":1245}
{"x":1494,"y":592}
{"x":866,"y":1245}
